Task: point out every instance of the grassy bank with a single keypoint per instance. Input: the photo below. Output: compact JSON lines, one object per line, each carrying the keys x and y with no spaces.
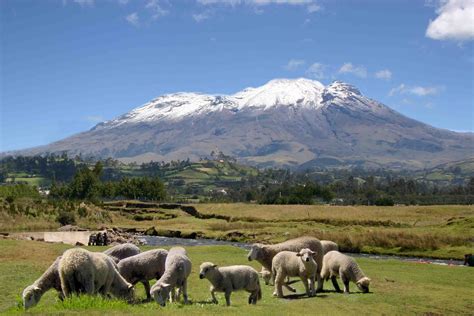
{"x":398,"y":288}
{"x":443,"y":231}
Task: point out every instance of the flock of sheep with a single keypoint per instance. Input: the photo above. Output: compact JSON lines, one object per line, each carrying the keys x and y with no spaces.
{"x":116,"y":271}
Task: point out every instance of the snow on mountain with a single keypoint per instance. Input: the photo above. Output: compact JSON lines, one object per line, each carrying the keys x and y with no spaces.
{"x":300,"y":92}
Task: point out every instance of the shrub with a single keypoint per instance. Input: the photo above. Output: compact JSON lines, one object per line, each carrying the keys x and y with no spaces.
{"x":66,"y":218}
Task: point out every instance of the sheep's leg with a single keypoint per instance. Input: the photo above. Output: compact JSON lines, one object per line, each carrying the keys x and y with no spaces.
{"x":312,"y":280}
{"x":213,"y":294}
{"x":253,"y":297}
{"x":185,"y":291}
{"x":320,"y":283}
{"x":346,"y":284}
{"x":305,"y":283}
{"x":335,"y":284}
{"x":289,"y":288}
{"x":227,"y":297}
{"x":279,"y":280}
{"x":146,"y":285}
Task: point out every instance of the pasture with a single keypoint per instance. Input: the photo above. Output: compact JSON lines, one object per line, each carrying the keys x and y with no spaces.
{"x":397,"y":288}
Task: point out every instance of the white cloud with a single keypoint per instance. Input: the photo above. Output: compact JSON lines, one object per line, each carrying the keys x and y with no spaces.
{"x":311,"y":5}
{"x":156,"y":8}
{"x":359,"y":71}
{"x":199,"y":17}
{"x":316,"y":71}
{"x":415,"y":90}
{"x":383,"y":74}
{"x":455,"y":21}
{"x":294,"y":64}
{"x":84,"y":3}
{"x":313,"y":8}
{"x":133,"y":19}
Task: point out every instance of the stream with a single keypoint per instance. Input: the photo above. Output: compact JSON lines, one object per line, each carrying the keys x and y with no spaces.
{"x":173,"y":241}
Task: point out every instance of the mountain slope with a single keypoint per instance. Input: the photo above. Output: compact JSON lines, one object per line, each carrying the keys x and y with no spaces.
{"x":296,"y":122}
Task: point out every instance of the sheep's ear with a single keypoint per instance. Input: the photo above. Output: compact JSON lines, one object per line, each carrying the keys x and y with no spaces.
{"x":36,"y":288}
{"x":214,"y":265}
{"x":299,"y":254}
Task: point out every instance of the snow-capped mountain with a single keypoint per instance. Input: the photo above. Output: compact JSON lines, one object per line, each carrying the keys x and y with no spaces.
{"x":284,"y":122}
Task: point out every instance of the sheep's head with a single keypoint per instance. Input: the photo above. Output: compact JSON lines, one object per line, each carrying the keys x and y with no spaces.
{"x":126,"y":293}
{"x":363,"y":284}
{"x":307,"y":255}
{"x":256,"y":252}
{"x":205,"y":269}
{"x":266,"y":276}
{"x":31,"y":296}
{"x":161,"y":292}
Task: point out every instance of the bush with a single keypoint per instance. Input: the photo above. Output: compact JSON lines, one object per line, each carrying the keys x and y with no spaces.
{"x":66,"y":218}
{"x":386,"y":201}
{"x":10,"y":199}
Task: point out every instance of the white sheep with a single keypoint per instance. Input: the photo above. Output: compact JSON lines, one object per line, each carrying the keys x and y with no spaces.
{"x":329,"y":246}
{"x":266,"y":275}
{"x":231,"y":278}
{"x":265,"y":253}
{"x":82,"y":271}
{"x":177,"y":270}
{"x":337,"y":264}
{"x":48,"y":280}
{"x":295,"y":264}
{"x":144,"y":266}
{"x":122,"y":251}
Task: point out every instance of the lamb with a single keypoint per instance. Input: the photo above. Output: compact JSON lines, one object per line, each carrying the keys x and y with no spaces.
{"x":50,"y":279}
{"x":82,"y":271}
{"x":177,"y":270}
{"x":338,"y":264}
{"x":144,"y":266}
{"x":329,"y":246}
{"x":231,"y":278}
{"x":266,"y":275}
{"x":265,"y":253}
{"x":122,"y":251}
{"x":295,"y":264}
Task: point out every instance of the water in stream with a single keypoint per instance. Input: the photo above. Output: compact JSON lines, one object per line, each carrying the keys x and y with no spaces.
{"x":172,"y":241}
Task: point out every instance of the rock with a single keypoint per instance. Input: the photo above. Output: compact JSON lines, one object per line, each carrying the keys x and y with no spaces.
{"x":78,"y":243}
{"x":71,"y":228}
{"x":151,"y":232}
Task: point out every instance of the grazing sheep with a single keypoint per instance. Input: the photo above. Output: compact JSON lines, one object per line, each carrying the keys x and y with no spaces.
{"x":329,"y":246}
{"x":337,"y":264}
{"x":231,"y":278}
{"x":177,"y":270}
{"x":82,"y":271}
{"x":144,"y":266}
{"x":122,"y":251}
{"x":50,"y":279}
{"x":266,"y":275}
{"x":295,"y":264}
{"x":265,"y":253}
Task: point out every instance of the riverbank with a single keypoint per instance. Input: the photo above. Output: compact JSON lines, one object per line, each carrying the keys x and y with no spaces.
{"x":442,"y":232}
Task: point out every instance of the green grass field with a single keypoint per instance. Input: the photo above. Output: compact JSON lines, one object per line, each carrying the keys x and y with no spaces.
{"x":397,"y":288}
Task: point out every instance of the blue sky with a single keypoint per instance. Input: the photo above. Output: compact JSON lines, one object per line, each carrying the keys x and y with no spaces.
{"x":66,"y":65}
